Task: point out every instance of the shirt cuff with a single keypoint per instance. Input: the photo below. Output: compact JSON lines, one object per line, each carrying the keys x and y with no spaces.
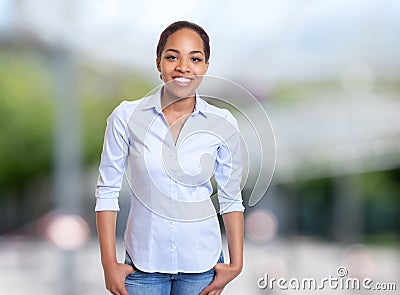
{"x":109,"y":204}
{"x":231,"y":207}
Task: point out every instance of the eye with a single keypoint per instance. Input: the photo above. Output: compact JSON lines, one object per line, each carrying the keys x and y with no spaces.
{"x":196,"y":59}
{"x":171,"y":57}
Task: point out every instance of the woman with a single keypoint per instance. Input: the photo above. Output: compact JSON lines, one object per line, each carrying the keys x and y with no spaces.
{"x":172,"y":237}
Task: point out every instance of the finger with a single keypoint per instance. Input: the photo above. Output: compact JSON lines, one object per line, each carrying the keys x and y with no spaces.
{"x":129,"y":269}
{"x":123,"y":291}
{"x":215,"y":292}
{"x":216,"y":267}
{"x":205,"y":291}
{"x":208,"y":289}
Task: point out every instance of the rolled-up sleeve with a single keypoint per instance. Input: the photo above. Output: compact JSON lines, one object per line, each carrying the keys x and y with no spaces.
{"x":113,"y":161}
{"x":228,"y":169}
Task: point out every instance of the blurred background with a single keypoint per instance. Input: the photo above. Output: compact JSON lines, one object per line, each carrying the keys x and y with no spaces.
{"x":326,"y":72}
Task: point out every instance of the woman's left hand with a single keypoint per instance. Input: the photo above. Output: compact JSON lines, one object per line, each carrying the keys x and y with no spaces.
{"x":224,"y":273}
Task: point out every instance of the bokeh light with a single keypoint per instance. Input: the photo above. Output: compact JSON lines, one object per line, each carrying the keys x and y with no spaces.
{"x":359,"y":261}
{"x":260,"y":225}
{"x":67,"y":232}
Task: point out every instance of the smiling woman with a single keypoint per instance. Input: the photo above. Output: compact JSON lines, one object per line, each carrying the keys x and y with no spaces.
{"x":181,"y":65}
{"x":172,"y":237}
{"x":182,"y":61}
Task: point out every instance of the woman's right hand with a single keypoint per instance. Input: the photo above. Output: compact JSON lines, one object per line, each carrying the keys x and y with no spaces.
{"x":114,"y":275}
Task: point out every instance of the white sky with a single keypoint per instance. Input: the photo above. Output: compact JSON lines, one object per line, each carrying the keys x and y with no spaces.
{"x":249,"y":39}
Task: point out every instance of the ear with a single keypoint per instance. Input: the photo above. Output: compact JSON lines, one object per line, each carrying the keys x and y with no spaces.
{"x":158,"y":64}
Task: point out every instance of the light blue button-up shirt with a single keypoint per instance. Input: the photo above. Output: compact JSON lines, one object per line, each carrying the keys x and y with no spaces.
{"x":172,"y":225}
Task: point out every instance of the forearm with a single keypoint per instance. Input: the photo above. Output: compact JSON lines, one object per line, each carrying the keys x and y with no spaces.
{"x":234,"y":227}
{"x":106,"y":224}
{"x":225,"y":273}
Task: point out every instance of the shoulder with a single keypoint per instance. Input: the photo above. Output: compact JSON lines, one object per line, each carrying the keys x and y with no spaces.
{"x":224,"y":114}
{"x":125,"y":109}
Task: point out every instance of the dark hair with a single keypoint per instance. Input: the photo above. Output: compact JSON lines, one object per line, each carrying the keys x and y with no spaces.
{"x":179,"y":25}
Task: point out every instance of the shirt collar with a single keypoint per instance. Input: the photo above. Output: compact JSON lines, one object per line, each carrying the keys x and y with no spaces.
{"x":155,"y":103}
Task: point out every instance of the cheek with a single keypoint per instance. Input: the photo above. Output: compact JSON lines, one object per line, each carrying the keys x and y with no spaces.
{"x":200,"y":69}
{"x":162,"y":68}
{"x":206,"y":67}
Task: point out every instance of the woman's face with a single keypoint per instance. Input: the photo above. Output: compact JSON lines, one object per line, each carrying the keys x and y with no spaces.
{"x":182,"y":63}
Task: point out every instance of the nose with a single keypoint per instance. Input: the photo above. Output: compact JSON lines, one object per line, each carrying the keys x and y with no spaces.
{"x":183,"y":66}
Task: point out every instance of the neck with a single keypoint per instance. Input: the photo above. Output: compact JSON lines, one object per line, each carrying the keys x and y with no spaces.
{"x":169,"y":102}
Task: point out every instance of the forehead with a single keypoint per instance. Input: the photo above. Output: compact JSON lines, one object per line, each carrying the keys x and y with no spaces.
{"x":185,"y":38}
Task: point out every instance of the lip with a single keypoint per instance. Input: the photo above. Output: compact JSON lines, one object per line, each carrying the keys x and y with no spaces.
{"x":182,"y":80}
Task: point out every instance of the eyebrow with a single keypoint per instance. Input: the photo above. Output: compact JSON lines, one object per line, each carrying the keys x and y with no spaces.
{"x":191,"y":52}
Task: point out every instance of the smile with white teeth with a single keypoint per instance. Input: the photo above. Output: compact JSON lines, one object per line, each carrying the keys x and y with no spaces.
{"x":182,"y":80}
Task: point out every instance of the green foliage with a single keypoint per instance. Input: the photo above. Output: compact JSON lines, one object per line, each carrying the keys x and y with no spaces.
{"x":315,"y":206}
{"x":100,"y":94}
{"x":380,"y":205}
{"x":382,"y":202}
{"x":28,"y":110}
{"x":26,"y":119}
{"x":297,"y":93}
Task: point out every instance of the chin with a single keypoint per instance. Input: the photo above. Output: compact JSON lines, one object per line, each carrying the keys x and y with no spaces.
{"x":179,"y":91}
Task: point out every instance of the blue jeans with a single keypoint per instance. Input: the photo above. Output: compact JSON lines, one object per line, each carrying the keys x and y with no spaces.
{"x":144,"y":283}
